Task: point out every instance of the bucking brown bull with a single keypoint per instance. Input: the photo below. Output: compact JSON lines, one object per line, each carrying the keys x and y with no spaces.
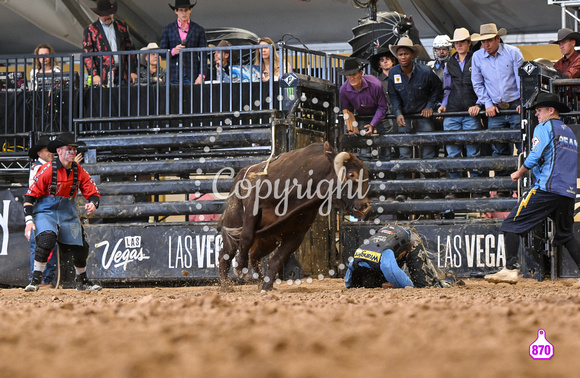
{"x":272,"y":205}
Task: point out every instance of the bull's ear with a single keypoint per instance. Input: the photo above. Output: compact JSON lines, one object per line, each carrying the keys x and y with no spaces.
{"x":329,"y":151}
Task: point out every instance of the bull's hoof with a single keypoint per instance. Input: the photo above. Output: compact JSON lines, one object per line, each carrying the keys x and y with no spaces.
{"x":227,"y":289}
{"x":241,"y":274}
{"x":266,"y":288}
{"x":226,"y":286}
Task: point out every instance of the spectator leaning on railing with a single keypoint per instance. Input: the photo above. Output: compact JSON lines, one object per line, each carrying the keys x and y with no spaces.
{"x":459,"y":96}
{"x":569,"y":64}
{"x":494,"y":74}
{"x":413,"y":88}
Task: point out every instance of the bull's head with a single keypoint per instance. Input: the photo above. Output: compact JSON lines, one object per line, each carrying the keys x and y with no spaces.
{"x":353,"y":178}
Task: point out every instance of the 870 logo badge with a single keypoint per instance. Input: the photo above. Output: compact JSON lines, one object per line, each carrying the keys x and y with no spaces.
{"x":541,"y":348}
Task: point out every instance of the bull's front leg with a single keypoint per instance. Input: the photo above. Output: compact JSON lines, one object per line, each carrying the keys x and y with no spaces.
{"x":262,"y":248}
{"x":286,"y":248}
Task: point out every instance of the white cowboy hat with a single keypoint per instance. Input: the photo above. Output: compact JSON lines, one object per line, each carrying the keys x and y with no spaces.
{"x":487,"y":31}
{"x":460,"y":34}
{"x":404,"y":42}
{"x":151,"y":46}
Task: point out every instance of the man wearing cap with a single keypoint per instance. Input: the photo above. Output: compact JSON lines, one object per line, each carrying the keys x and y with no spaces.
{"x":50,"y":210}
{"x":362,"y":94}
{"x":182,"y":34}
{"x":459,"y":96}
{"x":553,"y":160}
{"x":494,"y":74}
{"x":382,"y":62}
{"x":151,"y":71}
{"x":413,"y":88}
{"x":569,"y":64}
{"x":109,"y":34}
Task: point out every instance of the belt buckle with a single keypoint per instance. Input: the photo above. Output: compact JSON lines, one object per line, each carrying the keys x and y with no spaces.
{"x":504,"y":105}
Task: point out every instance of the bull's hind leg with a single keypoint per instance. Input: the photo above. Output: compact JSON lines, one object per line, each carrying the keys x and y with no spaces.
{"x":231,"y":229}
{"x":230,"y":237}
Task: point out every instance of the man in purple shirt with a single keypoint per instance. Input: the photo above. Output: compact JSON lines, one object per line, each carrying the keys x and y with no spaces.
{"x":363,"y":95}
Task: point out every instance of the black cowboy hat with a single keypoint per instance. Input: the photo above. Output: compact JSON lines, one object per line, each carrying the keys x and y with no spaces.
{"x":351,"y":66}
{"x":105,"y":8}
{"x":375,"y":59}
{"x":550,"y":100}
{"x":566,"y":33}
{"x":40,"y":144}
{"x":64,"y":139}
{"x":182,"y":4}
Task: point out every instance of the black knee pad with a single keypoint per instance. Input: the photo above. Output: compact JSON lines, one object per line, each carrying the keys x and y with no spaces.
{"x":45,"y":242}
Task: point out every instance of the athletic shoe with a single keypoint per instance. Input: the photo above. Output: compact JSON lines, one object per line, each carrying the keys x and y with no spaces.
{"x":504,"y":275}
{"x":31,"y":287}
{"x":83,"y":283}
{"x":35,"y":281}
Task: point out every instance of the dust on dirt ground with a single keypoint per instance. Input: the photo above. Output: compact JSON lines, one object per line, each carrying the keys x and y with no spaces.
{"x":309,"y":330}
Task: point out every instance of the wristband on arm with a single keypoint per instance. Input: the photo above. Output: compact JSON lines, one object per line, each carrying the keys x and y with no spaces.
{"x":28,"y":209}
{"x":95,"y":200}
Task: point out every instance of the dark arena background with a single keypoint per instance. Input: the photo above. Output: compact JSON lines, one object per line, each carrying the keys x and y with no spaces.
{"x":164,"y":158}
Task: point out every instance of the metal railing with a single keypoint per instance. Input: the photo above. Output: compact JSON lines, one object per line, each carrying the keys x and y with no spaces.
{"x":50,"y":103}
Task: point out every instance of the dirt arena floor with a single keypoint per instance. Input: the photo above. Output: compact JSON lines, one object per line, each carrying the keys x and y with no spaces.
{"x":316,"y":329}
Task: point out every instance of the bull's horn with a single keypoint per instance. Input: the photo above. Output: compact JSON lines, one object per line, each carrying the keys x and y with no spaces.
{"x":339,"y":161}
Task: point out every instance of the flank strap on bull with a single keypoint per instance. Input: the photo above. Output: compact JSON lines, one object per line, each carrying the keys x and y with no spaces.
{"x":264,"y":172}
{"x":53,"y":184}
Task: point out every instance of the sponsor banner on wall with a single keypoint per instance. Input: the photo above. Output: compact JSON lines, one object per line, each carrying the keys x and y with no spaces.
{"x":470,"y":249}
{"x":145,"y":252}
{"x":15,"y":249}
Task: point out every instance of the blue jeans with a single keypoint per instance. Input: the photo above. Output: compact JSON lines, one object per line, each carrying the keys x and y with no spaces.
{"x":454,"y":150}
{"x":504,"y":122}
{"x":406,"y":152}
{"x":50,"y":271}
{"x":386,"y":127}
{"x":414,"y":125}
